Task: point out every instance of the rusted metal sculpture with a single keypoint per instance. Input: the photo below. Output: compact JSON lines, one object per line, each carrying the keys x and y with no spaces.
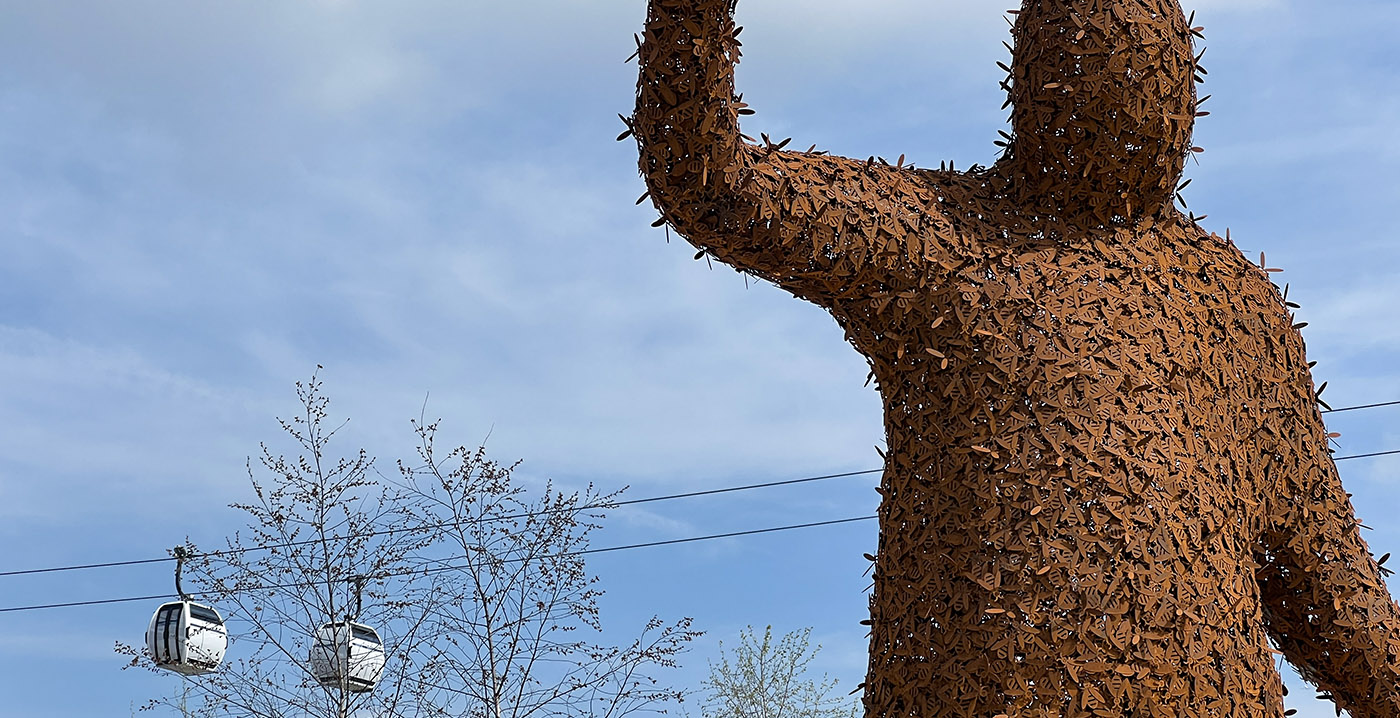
{"x":1108,"y":483}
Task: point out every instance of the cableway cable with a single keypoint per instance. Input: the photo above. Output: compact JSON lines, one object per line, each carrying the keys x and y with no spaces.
{"x":586,"y":507}
{"x":1359,"y":408}
{"x":440,"y":569}
{"x":1367,"y":456}
{"x":606,"y":549}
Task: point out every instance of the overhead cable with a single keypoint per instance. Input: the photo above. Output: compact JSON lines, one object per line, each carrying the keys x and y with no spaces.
{"x":440,"y":569}
{"x":586,"y":507}
{"x":430,"y":527}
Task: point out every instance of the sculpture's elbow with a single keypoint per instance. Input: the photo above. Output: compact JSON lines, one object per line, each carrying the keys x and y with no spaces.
{"x":687,"y":117}
{"x":693,"y":179}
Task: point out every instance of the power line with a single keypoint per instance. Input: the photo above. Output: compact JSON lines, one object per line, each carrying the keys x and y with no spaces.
{"x":1367,"y":456}
{"x":586,"y":507}
{"x":440,"y":569}
{"x":584,"y":552}
{"x":99,"y":602}
{"x":1359,"y":408}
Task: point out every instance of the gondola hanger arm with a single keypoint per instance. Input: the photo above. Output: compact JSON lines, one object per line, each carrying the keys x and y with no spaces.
{"x":180,"y":555}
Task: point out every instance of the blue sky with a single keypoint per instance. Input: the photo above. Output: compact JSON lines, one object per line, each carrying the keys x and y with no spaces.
{"x":203,"y":201}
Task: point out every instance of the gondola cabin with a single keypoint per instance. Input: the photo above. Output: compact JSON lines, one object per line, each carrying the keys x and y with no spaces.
{"x":347,"y":654}
{"x":187,"y":638}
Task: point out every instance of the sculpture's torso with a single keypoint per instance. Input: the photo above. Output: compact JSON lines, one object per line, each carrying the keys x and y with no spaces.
{"x":1065,"y":502}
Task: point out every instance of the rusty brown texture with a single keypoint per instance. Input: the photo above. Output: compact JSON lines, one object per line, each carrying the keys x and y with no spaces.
{"x":1107,"y":483}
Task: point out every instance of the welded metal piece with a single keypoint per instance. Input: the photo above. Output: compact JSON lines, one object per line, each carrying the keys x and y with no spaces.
{"x":1107,"y":483}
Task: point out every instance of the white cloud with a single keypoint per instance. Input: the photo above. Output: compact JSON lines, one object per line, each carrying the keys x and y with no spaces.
{"x":206,"y":200}
{"x":1231,"y":5}
{"x":60,"y":645}
{"x":87,"y":427}
{"x":1356,"y":320}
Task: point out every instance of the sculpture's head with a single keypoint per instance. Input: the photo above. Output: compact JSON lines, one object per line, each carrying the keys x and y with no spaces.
{"x":1104,"y":102}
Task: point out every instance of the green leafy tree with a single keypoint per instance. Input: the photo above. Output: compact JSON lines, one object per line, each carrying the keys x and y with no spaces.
{"x":763,"y":678}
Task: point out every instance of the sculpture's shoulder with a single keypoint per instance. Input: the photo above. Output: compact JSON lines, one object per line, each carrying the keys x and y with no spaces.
{"x":1160,"y":276}
{"x":899,"y":220}
{"x":1212,"y":298}
{"x":1218,"y":272}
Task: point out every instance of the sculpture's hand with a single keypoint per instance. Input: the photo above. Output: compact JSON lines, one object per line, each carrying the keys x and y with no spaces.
{"x":808,"y":222}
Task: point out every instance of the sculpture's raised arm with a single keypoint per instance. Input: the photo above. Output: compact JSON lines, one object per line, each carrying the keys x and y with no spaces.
{"x":809,"y":222}
{"x":1325,"y":600}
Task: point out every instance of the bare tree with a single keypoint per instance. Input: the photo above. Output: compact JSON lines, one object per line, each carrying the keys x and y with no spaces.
{"x":477,"y":590}
{"x":321,"y":530}
{"x":520,"y":617}
{"x":767,"y":679}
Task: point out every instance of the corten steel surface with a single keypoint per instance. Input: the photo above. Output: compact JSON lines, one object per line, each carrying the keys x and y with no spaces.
{"x":1108,"y":482}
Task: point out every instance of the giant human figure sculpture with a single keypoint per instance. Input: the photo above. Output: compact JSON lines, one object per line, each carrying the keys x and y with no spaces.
{"x":1108,"y":482}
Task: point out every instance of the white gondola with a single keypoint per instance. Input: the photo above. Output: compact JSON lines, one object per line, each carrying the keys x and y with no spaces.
{"x":187,"y":638}
{"x":348,"y":654}
{"x":184,"y":636}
